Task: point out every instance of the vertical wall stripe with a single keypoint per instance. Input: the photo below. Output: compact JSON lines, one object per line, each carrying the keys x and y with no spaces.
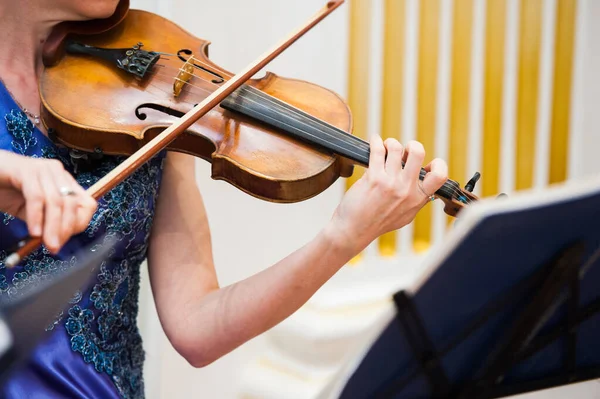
{"x":494,"y":76}
{"x":559,"y":147}
{"x":442,"y":128}
{"x":576,"y":133}
{"x":461,"y":76}
{"x":358,"y":74}
{"x":376,"y":82}
{"x":393,"y":74}
{"x":409,"y":96}
{"x":545,"y":94}
{"x":476,"y":95}
{"x":527,"y":103}
{"x":426,"y":103}
{"x":509,"y":108}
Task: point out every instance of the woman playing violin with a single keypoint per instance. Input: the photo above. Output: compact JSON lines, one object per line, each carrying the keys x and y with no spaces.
{"x":93,"y":349}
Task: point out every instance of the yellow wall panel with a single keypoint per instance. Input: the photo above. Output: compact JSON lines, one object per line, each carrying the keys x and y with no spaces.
{"x":559,"y":141}
{"x":359,"y":71}
{"x":460,"y":86}
{"x":493,"y":84}
{"x":458,"y":153}
{"x":393,"y":75}
{"x":358,"y":75}
{"x":426,"y":103}
{"x":527,"y":102}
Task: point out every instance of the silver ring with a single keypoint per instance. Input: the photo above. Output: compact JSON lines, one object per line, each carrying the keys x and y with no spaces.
{"x":66,"y":191}
{"x":431,"y":197}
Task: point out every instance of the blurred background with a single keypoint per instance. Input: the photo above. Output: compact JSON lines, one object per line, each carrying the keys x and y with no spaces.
{"x":508,"y":88}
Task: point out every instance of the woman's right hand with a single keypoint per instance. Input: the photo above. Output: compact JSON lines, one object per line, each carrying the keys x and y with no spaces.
{"x":43,"y":194}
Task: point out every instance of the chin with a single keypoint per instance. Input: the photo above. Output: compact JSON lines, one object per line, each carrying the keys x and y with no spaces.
{"x":93,"y":9}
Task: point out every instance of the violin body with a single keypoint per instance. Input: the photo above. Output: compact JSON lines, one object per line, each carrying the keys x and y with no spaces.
{"x":93,"y":103}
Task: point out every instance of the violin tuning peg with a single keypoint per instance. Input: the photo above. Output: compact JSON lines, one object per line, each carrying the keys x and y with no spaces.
{"x":470,"y":186}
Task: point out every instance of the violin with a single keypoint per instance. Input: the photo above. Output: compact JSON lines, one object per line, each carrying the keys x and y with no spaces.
{"x":137,"y":84}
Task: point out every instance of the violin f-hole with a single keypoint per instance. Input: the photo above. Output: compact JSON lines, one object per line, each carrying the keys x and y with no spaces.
{"x":161,"y":108}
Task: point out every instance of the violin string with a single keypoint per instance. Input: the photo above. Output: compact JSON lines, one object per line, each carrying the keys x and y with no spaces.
{"x":352,"y":140}
{"x":170,"y":93}
{"x":448,"y":188}
{"x":246,"y":98}
{"x":454,"y":191}
{"x":170,"y":80}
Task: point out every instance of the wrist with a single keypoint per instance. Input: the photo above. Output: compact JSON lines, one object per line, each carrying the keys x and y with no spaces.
{"x":341,"y":240}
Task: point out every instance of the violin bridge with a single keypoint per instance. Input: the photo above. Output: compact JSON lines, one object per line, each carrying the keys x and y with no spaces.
{"x":183,"y":77}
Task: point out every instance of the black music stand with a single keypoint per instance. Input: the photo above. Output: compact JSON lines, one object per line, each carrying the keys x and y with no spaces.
{"x":509,"y":304}
{"x":23,"y":319}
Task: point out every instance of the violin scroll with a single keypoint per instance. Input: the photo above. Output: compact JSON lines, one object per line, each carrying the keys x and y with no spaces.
{"x":456,"y":198}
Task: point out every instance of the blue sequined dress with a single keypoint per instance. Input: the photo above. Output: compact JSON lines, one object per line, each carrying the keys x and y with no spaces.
{"x":93,"y":349}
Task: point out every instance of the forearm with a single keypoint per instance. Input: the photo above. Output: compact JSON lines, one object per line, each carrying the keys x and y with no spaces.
{"x":225,"y":318}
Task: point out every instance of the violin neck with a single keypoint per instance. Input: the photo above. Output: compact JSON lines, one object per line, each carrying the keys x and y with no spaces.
{"x":256,"y":104}
{"x":298,"y":124}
